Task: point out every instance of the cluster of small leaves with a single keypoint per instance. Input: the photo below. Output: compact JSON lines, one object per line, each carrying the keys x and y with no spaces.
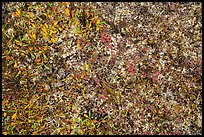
{"x":156,"y":61}
{"x":27,"y":33}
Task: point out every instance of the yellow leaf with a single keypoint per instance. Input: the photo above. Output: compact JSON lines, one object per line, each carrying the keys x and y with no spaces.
{"x":55,"y":23}
{"x":33,"y":25}
{"x":97,"y":28}
{"x":22,"y":54}
{"x":35,"y":133}
{"x":30,"y":48}
{"x":83,"y":74}
{"x":45,"y":48}
{"x":62,"y":115}
{"x":30,"y":14}
{"x":87,"y":66}
{"x":50,"y":33}
{"x":54,"y":40}
{"x":29,"y":120}
{"x":49,"y":16}
{"x":103,"y":121}
{"x":53,"y":32}
{"x":5,"y":114}
{"x":67,"y":11}
{"x":95,"y":121}
{"x":86,"y":116}
{"x":43,"y":29}
{"x":89,"y":25}
{"x":15,"y":65}
{"x":76,"y":23}
{"x":44,"y":35}
{"x":18,"y":42}
{"x":5,"y":133}
{"x":14,"y":116}
{"x":13,"y":123}
{"x":18,"y":12}
{"x":60,"y":29}
{"x":40,"y":52}
{"x":98,"y":21}
{"x":34,"y":36}
{"x":4,"y":102}
{"x":45,"y":14}
{"x":79,"y":47}
{"x":18,"y":73}
{"x":83,"y":91}
{"x":46,"y":25}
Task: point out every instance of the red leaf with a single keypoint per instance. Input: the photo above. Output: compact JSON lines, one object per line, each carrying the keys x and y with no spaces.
{"x":86,"y":77}
{"x":102,"y":39}
{"x":154,"y":79}
{"x":53,"y":8}
{"x":110,"y":47}
{"x":103,"y":96}
{"x":89,"y":43}
{"x":108,"y":38}
{"x":104,"y":92}
{"x":157,"y":73}
{"x":143,"y":73}
{"x":131,"y":69}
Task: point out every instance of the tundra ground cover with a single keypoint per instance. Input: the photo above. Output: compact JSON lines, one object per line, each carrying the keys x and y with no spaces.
{"x":101,"y":68}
